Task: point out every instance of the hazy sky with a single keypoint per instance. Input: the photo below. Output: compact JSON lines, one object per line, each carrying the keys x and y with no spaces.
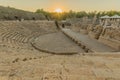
{"x":65,"y":5}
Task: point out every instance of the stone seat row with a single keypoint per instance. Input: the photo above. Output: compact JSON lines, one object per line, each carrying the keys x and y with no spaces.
{"x":17,"y":34}
{"x":13,"y":39}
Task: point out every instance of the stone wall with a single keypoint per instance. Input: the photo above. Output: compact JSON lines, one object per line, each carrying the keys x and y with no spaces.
{"x":95,"y":31}
{"x":111,"y":37}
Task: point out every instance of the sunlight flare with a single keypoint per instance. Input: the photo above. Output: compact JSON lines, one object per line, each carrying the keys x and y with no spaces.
{"x":58,"y":10}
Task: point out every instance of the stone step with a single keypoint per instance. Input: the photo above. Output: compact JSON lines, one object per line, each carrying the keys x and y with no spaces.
{"x":4,"y":36}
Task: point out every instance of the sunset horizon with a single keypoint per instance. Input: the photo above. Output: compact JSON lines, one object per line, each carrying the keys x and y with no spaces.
{"x":65,"y":6}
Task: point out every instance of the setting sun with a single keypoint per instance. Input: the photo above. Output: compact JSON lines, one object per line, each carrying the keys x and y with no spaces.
{"x":58,"y":10}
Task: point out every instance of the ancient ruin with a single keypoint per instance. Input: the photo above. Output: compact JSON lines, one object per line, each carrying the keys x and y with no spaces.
{"x":39,"y":48}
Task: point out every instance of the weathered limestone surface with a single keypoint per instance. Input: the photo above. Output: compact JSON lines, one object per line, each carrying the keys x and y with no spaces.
{"x":111,"y":36}
{"x":83,"y":29}
{"x":95,"y":31}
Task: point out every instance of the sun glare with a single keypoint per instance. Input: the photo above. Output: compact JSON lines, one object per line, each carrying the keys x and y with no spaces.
{"x":58,"y":10}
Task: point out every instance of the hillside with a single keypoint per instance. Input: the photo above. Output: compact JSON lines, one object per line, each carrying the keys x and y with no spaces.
{"x":8,"y":13}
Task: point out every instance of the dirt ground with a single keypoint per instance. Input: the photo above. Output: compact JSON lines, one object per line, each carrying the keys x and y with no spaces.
{"x":43,"y":66}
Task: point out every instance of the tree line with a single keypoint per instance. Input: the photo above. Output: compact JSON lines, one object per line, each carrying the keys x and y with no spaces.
{"x":74,"y":14}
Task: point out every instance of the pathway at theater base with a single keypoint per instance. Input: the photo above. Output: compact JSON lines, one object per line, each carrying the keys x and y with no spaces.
{"x":57,"y":43}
